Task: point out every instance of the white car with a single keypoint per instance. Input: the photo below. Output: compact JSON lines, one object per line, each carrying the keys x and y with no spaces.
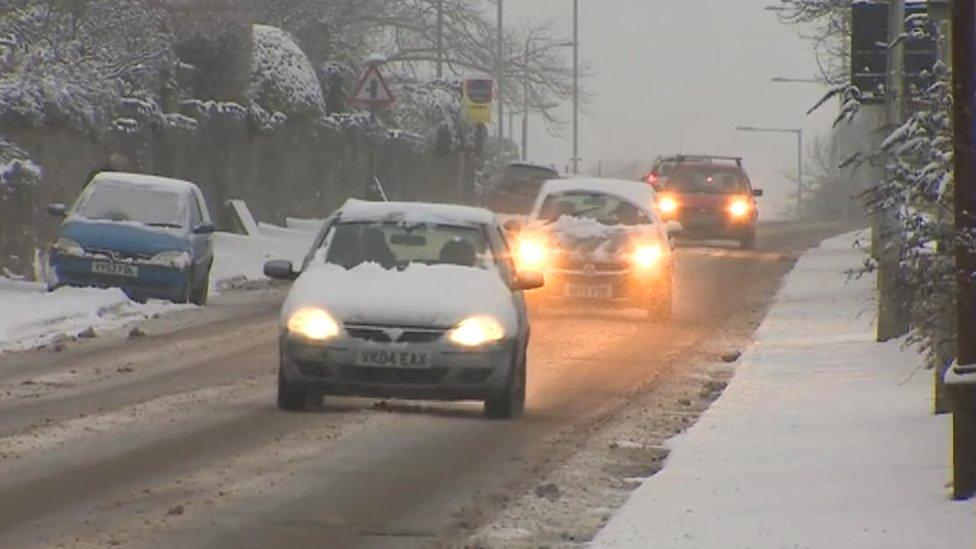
{"x":600,"y":240}
{"x":406,"y":300}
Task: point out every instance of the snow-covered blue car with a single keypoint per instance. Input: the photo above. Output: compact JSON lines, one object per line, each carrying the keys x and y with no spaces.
{"x":150,"y":236}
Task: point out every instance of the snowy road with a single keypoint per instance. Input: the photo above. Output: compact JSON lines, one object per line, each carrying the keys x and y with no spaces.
{"x":173,"y":439}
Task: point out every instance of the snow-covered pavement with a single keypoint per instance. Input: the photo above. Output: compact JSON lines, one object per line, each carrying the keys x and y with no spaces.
{"x":31,"y":316}
{"x":824,"y":439}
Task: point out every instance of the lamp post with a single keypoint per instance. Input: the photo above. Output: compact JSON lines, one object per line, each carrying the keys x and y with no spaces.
{"x":499,"y":68}
{"x":799,"y":159}
{"x":575,"y":86}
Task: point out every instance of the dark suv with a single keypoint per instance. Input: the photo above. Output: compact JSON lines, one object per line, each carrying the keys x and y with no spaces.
{"x":712,"y":198}
{"x":515,"y":189}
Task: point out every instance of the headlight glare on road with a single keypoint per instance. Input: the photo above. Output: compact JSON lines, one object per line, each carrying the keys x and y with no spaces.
{"x":477,"y":331}
{"x":532,"y":254}
{"x":739,"y":208}
{"x":668,"y":205}
{"x":67,"y":246}
{"x":648,"y":256}
{"x":313,"y":324}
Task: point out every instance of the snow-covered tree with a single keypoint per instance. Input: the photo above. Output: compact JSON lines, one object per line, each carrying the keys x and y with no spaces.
{"x":69,"y":61}
{"x":282,"y":78}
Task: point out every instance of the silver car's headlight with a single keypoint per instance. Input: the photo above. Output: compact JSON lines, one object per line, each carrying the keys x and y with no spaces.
{"x":67,"y":246}
{"x":477,"y":331}
{"x":175,"y":259}
{"x":313,"y":324}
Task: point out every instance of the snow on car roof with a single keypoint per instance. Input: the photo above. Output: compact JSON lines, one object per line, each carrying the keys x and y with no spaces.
{"x":638,"y":193}
{"x":415,"y":212}
{"x":148,"y":181}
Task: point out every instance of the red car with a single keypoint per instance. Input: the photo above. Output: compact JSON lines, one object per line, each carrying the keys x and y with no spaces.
{"x":712,"y":198}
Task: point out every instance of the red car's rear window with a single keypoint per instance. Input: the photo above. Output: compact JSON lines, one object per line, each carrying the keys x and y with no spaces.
{"x":707,"y":179}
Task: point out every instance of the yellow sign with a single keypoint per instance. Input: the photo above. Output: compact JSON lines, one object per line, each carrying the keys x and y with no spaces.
{"x":477,"y":98}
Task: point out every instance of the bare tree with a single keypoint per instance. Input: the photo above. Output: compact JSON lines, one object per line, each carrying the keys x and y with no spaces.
{"x":826,"y":23}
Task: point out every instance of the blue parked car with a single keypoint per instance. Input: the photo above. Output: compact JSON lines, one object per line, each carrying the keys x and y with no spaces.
{"x":150,"y":236}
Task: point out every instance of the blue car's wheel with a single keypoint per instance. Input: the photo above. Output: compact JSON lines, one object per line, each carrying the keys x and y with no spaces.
{"x":201,"y":293}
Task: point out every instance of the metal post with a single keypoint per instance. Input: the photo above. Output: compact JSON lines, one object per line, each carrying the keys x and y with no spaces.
{"x":799,"y":175}
{"x":440,"y":38}
{"x":499,"y":67}
{"x":525,"y":105}
{"x":575,"y":86}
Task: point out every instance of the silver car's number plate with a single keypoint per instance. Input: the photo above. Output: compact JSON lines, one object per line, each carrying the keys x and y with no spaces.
{"x":390,"y":358}
{"x":588,"y":291}
{"x":115,"y":269}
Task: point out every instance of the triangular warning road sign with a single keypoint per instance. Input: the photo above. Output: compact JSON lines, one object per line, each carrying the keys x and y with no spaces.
{"x":373,"y":92}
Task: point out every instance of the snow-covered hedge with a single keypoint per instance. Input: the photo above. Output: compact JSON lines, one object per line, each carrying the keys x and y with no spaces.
{"x":16,"y":167}
{"x":282,"y":78}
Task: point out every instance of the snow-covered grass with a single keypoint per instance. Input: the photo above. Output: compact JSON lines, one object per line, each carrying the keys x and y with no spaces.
{"x":824,"y":438}
{"x":30,"y":316}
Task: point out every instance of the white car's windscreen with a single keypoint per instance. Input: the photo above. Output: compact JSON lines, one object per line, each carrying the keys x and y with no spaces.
{"x":397,"y":246}
{"x":111,"y":201}
{"x":602,"y":208}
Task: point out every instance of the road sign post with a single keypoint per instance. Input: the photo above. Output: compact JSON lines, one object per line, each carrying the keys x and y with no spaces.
{"x":374,"y":94}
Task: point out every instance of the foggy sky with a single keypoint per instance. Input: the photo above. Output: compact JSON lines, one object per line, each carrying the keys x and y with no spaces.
{"x":679,"y":76}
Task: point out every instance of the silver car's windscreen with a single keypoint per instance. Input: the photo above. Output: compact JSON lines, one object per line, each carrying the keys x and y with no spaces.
{"x":119,"y":201}
{"x":395,"y":245}
{"x":603,"y":208}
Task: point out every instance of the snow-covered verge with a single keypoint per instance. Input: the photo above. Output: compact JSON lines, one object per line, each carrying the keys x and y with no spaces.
{"x":31,"y":316}
{"x":824,"y":438}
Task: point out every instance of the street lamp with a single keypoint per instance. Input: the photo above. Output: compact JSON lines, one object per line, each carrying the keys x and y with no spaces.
{"x":799,"y":159}
{"x":784,"y":80}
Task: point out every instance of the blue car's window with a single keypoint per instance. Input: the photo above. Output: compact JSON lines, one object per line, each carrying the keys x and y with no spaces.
{"x":393,"y":245}
{"x":119,"y":201}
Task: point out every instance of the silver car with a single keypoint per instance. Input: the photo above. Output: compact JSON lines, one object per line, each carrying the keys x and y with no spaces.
{"x":406,"y":300}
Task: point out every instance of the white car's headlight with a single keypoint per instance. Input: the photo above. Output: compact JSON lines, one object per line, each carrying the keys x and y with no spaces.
{"x":313,"y":324}
{"x":175,"y":258}
{"x":477,"y":331}
{"x":67,"y":246}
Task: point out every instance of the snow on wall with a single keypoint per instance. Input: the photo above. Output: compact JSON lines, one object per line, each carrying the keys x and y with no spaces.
{"x":282,"y":77}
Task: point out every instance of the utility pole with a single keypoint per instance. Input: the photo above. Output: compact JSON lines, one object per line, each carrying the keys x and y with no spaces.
{"x":893,"y":318}
{"x":575,"y":86}
{"x":499,"y":68}
{"x":440,"y":38}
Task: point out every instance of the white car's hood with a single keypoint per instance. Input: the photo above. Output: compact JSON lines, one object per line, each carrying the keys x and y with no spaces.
{"x":421,"y":295}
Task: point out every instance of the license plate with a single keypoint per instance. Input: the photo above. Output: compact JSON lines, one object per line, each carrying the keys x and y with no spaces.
{"x":589,"y":291}
{"x":389,"y":358}
{"x":115,"y":269}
